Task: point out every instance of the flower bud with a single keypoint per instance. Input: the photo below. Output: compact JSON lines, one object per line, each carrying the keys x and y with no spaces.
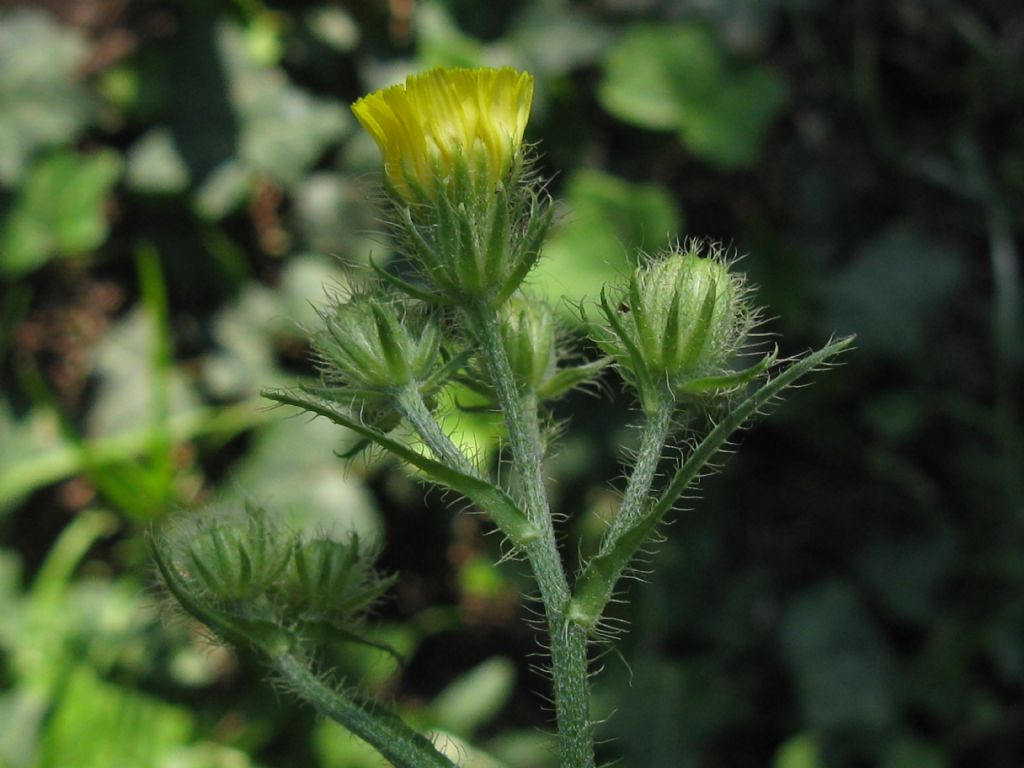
{"x":236,"y":560}
{"x":371,"y":347}
{"x":528,"y":334}
{"x":442,"y":126}
{"x":462,"y":206}
{"x":683,"y":319}
{"x":334,"y":578}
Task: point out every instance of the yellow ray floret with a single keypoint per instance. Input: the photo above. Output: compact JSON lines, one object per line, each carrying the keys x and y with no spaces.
{"x":438,"y":118}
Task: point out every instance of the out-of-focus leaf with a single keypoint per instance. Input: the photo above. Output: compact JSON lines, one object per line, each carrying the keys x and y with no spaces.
{"x":908,"y":752}
{"x":127,"y":380}
{"x":522,"y":747}
{"x":33,"y":434}
{"x":283,"y":128}
{"x":801,"y":751}
{"x":59,"y":211}
{"x":205,"y":755}
{"x":98,"y":724}
{"x":243,"y":330}
{"x":42,"y":100}
{"x":606,"y":222}
{"x":155,"y":166}
{"x":907,"y":575}
{"x":892,"y":291}
{"x":441,"y":43}
{"x":246,"y":330}
{"x":336,"y":217}
{"x":555,"y":36}
{"x":22,"y":713}
{"x":223,"y":190}
{"x":339,"y":748}
{"x":473,"y":699}
{"x":678,"y":78}
{"x":467,"y":756}
{"x":333,"y":26}
{"x":293,"y":465}
{"x":842,"y":666}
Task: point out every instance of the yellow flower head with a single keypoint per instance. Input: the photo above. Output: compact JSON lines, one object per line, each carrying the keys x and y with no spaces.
{"x":434,"y":120}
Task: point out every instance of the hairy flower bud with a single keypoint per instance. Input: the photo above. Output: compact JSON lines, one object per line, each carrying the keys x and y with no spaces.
{"x":681,"y":322}
{"x":334,"y":578}
{"x":528,"y":334}
{"x":372,"y":346}
{"x":237,"y":561}
{"x":254,"y":582}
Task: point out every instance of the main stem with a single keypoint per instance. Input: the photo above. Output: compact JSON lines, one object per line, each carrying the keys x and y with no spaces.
{"x":568,"y":642}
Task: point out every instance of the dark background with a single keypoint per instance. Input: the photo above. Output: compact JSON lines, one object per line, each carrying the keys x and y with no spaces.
{"x":177,"y":182}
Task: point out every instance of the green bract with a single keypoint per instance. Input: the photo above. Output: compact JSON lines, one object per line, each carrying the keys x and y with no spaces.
{"x":333,"y":577}
{"x":677,"y":326}
{"x":470,"y":242}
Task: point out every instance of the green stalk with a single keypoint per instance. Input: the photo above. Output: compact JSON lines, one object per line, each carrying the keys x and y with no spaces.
{"x":568,"y":642}
{"x":401,"y":745}
{"x":652,"y":442}
{"x":414,"y":410}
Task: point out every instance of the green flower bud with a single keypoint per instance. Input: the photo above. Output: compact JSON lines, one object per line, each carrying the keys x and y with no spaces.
{"x":254,"y":583}
{"x":682,"y":320}
{"x":236,"y":560}
{"x":371,"y":347}
{"x":528,"y":334}
{"x":334,"y":579}
{"x":530,"y":339}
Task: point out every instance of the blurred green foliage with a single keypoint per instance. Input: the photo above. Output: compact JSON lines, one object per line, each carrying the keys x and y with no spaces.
{"x":178,"y":181}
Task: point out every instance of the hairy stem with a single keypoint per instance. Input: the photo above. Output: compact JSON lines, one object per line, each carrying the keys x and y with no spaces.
{"x":410,"y":404}
{"x":652,"y":442}
{"x":568,"y":642}
{"x":385,"y":731}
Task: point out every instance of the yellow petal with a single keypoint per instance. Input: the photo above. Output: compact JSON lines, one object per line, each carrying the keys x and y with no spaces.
{"x":433,"y":120}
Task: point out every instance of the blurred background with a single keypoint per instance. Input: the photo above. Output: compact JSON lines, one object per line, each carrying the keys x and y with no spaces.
{"x":178,"y":180}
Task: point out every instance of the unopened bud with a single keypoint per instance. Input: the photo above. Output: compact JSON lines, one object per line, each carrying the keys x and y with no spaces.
{"x":683,"y":318}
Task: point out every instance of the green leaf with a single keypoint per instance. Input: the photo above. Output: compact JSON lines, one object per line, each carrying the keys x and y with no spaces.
{"x":98,"y":724}
{"x":155,"y":165}
{"x":572,"y":376}
{"x":679,"y":78}
{"x":801,"y":751}
{"x":43,"y":101}
{"x":59,"y":211}
{"x":493,"y":500}
{"x":607,"y":220}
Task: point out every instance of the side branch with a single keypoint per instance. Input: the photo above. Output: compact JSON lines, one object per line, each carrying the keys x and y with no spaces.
{"x":596,"y":584}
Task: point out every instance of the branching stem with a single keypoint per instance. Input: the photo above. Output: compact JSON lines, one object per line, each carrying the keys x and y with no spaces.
{"x":410,"y":403}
